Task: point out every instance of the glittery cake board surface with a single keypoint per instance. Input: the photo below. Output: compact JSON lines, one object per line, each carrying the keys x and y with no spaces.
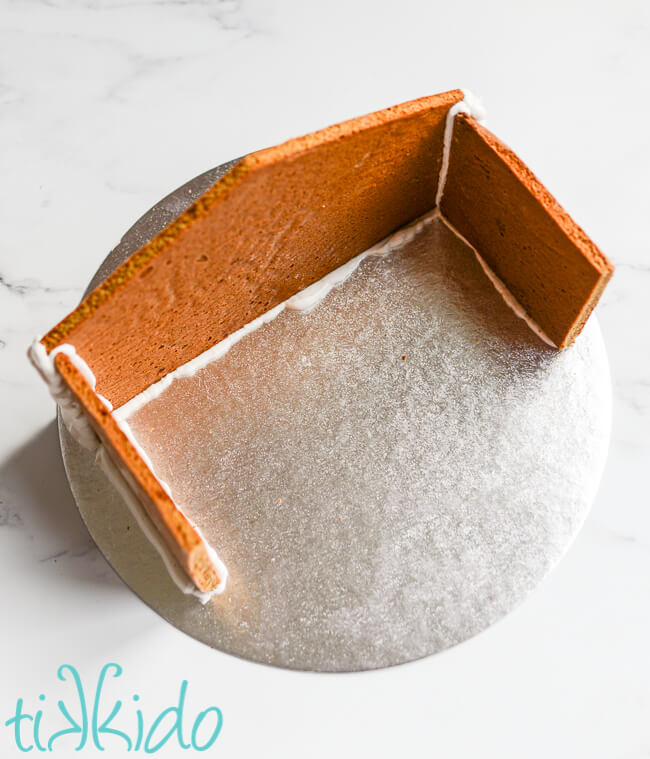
{"x":384,"y":476}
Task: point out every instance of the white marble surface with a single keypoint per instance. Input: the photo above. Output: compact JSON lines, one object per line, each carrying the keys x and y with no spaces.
{"x":107,"y":106}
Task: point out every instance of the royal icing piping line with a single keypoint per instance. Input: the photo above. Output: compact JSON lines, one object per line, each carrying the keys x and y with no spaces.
{"x":510,"y":300}
{"x":121,"y":479}
{"x":73,"y":415}
{"x":470,"y":105}
{"x":304,"y":301}
{"x":80,"y":428}
{"x":180,"y":577}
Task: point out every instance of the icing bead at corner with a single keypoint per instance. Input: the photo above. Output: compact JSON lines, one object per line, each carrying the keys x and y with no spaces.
{"x":470,"y":105}
{"x":73,"y":416}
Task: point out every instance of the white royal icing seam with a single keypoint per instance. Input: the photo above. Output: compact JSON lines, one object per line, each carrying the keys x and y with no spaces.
{"x":303,"y":301}
{"x":79,"y":426}
{"x":510,"y":300}
{"x":73,"y":415}
{"x":470,"y":105}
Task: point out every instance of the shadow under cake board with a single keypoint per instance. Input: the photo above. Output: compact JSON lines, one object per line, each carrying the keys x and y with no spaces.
{"x":372,"y":509}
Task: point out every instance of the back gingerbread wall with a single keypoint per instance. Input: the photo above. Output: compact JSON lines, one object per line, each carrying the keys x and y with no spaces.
{"x":279,"y":221}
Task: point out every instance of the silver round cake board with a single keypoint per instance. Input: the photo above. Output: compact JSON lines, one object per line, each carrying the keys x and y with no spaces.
{"x":446,"y":508}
